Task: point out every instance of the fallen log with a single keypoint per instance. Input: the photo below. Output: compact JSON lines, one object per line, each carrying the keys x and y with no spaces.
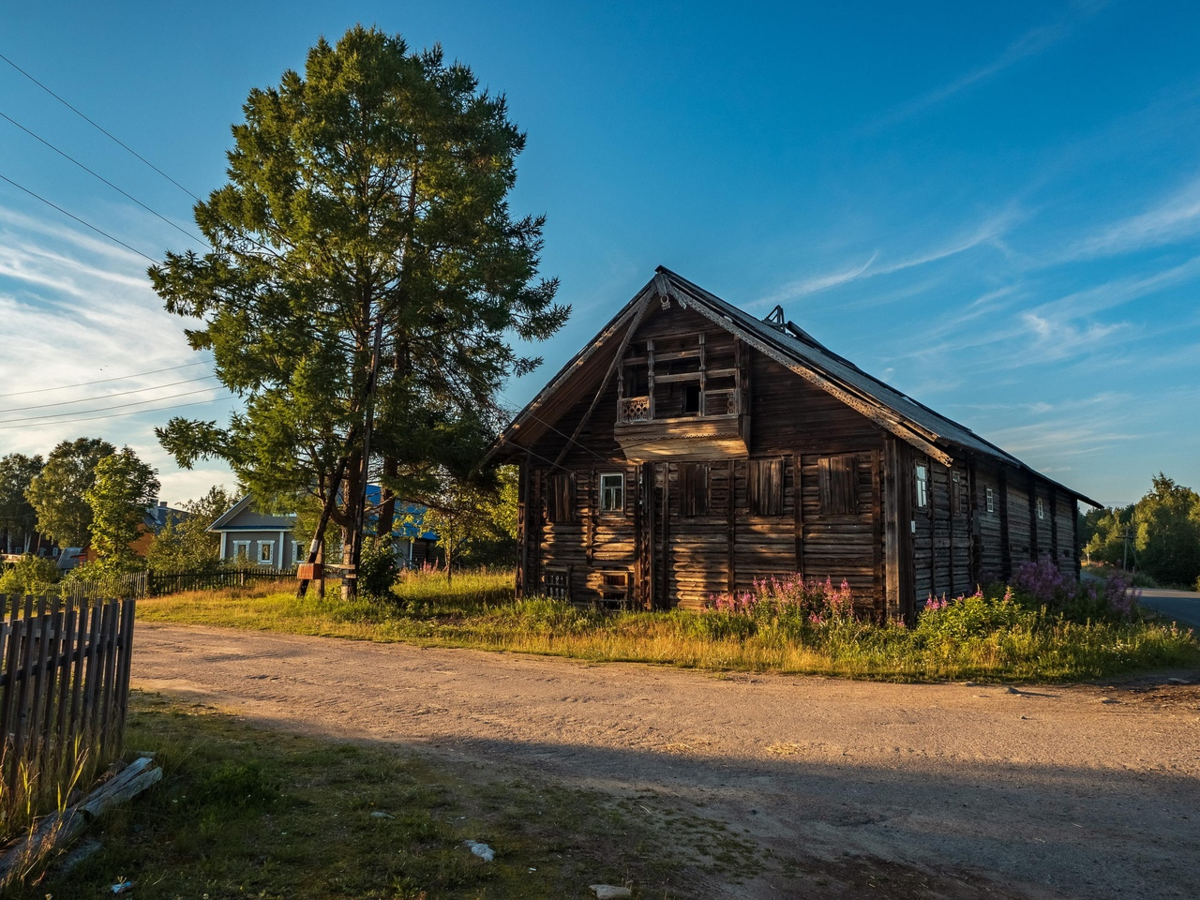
{"x":58,"y":829}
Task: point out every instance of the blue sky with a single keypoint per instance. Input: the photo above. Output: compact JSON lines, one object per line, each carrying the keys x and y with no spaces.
{"x":994,"y":207}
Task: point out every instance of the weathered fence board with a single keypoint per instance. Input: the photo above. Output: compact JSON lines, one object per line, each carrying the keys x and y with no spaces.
{"x":64,"y":684}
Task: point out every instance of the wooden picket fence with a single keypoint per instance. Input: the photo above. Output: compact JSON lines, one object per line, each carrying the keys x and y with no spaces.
{"x":64,"y":686}
{"x":157,"y":584}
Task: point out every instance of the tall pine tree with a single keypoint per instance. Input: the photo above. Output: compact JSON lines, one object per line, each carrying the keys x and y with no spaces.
{"x":366,"y":207}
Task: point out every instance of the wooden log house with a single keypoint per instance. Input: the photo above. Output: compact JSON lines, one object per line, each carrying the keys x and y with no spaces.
{"x":691,"y":448}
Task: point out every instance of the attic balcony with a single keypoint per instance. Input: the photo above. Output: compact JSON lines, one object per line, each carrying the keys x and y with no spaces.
{"x":713,"y":427}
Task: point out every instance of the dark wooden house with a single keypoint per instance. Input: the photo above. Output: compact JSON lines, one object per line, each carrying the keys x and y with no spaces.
{"x":691,"y":448}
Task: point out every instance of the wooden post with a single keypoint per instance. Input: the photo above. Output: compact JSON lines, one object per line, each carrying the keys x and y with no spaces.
{"x":899,"y":568}
{"x":879,"y":598}
{"x":730,"y":573}
{"x":1054,"y":526}
{"x":1005,"y":537}
{"x":798,"y":510}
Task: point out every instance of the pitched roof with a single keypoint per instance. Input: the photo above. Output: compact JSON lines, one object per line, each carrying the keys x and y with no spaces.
{"x":790,"y":346}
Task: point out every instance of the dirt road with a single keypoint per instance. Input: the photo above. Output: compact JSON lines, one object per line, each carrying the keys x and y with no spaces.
{"x":1047,"y":791}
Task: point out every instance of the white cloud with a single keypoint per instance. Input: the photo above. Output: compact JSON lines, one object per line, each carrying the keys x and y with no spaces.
{"x":82,"y":330}
{"x":1172,"y":219}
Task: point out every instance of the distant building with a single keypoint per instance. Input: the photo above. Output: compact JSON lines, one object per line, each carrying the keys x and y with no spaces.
{"x":269,"y":540}
{"x":156,"y":519}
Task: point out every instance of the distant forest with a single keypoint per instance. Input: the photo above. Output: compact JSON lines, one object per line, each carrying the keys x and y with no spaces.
{"x":1158,"y":536}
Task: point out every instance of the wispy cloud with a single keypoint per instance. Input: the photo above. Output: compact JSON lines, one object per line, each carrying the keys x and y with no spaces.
{"x":76,"y":311}
{"x":1030,"y":44}
{"x":989,"y":232}
{"x":1175,"y":218}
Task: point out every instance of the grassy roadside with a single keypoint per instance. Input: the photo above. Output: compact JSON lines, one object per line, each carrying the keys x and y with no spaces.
{"x":243,"y":812}
{"x":478,"y":612}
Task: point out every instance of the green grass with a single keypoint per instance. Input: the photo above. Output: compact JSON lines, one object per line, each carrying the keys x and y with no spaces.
{"x":243,"y":812}
{"x":478,"y":611}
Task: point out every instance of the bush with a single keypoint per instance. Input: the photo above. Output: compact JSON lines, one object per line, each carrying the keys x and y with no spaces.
{"x":1041,"y":585}
{"x":789,"y":599}
{"x":972,"y":617}
{"x":377,"y":569}
{"x":30,"y":575}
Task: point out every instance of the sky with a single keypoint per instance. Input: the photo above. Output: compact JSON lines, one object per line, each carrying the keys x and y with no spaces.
{"x":995,"y":207}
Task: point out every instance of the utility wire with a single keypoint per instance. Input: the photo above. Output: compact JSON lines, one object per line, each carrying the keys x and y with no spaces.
{"x":112,"y":415}
{"x":79,"y":220}
{"x":96,"y":175}
{"x":106,"y":396}
{"x":24,"y":419}
{"x":63,"y":387}
{"x":98,"y":128}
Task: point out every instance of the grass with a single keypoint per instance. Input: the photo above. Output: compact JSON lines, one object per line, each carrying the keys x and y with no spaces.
{"x":478,"y":611}
{"x":243,"y":812}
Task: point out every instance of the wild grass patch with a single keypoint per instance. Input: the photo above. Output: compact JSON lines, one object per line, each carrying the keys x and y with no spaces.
{"x":996,"y":635}
{"x":243,"y":812}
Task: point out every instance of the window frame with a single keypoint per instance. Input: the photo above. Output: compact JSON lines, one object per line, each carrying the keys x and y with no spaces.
{"x":603,"y":490}
{"x":236,"y":557}
{"x":1041,"y":508}
{"x":990,"y":500}
{"x":269,"y":546}
{"x":921,"y":485}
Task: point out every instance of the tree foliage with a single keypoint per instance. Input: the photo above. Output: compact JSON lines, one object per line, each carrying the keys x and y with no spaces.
{"x":471,"y":518}
{"x":185,"y":544}
{"x":57,"y":493}
{"x":1168,"y":532}
{"x":1112,"y":538}
{"x":124,"y":486}
{"x":18,"y":518}
{"x":371,"y":190}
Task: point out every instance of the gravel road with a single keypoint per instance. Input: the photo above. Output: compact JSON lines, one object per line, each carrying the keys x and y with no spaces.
{"x":1082,"y":792}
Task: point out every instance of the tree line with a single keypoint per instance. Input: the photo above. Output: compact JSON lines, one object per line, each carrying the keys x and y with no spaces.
{"x":1159,"y":535}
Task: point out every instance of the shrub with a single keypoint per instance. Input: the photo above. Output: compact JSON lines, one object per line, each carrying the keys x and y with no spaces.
{"x":30,"y":575}
{"x":1041,"y":585}
{"x":790,"y":598}
{"x":971,"y":617}
{"x":377,"y":569}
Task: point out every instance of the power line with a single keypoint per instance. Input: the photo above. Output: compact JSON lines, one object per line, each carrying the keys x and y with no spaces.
{"x":102,"y":408}
{"x":113,"y":415}
{"x":156,"y":387}
{"x":98,"y":128}
{"x":79,"y":220}
{"x":63,"y":387}
{"x":96,"y":175}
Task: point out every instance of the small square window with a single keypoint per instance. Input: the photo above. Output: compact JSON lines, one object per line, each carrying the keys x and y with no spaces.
{"x":991,"y":501}
{"x":612,"y":493}
{"x":922,"y":487}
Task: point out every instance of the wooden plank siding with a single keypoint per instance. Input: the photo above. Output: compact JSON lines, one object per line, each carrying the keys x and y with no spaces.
{"x":806,"y":483}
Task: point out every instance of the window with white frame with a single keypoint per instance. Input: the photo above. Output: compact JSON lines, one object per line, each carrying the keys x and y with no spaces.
{"x":241,"y":551}
{"x":1041,"y":509}
{"x":612,"y":493}
{"x":298,"y":555}
{"x":922,"y":487}
{"x":266,"y":553}
{"x":991,"y":501}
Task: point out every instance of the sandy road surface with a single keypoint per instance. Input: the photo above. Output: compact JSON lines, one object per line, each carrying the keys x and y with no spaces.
{"x":1050,"y":791}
